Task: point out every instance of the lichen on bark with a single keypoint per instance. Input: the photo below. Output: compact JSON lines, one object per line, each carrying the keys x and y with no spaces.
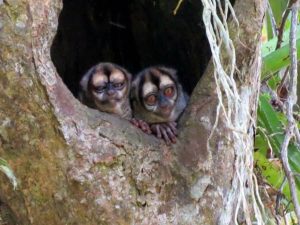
{"x":78,"y":166}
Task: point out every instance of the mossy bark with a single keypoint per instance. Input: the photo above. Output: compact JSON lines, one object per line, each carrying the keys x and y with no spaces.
{"x":77,"y":166}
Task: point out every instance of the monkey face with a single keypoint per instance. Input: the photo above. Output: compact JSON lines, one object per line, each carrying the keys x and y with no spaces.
{"x":108,"y":89}
{"x":156,"y":95}
{"x":159,"y":97}
{"x":157,"y":101}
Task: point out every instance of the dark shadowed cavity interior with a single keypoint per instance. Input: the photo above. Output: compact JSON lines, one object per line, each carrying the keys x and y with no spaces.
{"x":134,"y":34}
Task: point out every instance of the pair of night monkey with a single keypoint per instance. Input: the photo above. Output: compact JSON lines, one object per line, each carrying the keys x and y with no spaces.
{"x":153,"y":101}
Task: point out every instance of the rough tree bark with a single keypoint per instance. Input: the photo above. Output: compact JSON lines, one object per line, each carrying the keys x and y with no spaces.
{"x":78,"y":166}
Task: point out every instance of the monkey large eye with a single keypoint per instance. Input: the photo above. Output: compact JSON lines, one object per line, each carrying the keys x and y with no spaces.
{"x":118,"y":85}
{"x":169,"y":91}
{"x":100,"y":89}
{"x":150,"y":99}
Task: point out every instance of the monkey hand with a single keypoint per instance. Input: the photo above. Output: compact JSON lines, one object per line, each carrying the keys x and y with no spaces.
{"x":142,"y":125}
{"x":167,"y":131}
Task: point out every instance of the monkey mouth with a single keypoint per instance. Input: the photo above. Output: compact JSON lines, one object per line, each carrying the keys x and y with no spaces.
{"x":166,"y":111}
{"x":111,"y":99}
{"x":108,"y":102}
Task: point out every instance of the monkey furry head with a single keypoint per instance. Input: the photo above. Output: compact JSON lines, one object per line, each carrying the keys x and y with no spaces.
{"x":157,"y":96}
{"x":106,"y":87}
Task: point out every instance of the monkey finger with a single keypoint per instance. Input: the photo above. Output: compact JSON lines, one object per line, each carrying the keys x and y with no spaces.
{"x":170,"y":133}
{"x":134,"y":122}
{"x":173,"y":127}
{"x":173,"y":123}
{"x":174,"y":140}
{"x":165,"y":136}
{"x":149,"y":131}
{"x":156,"y":130}
{"x":145,"y":127}
{"x":169,"y":129}
{"x":172,"y":136}
{"x":141,"y":124}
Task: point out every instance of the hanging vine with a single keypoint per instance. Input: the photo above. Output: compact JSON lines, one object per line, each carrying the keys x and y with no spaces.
{"x":215,"y":16}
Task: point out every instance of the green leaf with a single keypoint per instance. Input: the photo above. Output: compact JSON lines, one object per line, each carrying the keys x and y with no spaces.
{"x":274,"y":60}
{"x":271,"y":132}
{"x":4,"y":167}
{"x":273,"y":173}
{"x":274,"y":81}
{"x":270,"y":170}
{"x":269,"y":120}
{"x":278,"y":7}
{"x":269,"y":47}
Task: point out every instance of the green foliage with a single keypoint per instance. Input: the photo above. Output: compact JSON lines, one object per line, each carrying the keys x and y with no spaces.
{"x":278,"y":7}
{"x":271,"y":122}
{"x":4,"y":167}
{"x":274,"y":60}
{"x":270,"y":137}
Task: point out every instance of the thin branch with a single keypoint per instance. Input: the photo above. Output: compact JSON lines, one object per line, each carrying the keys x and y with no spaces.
{"x":286,"y":209}
{"x":291,"y":100}
{"x":177,"y":7}
{"x":296,"y":174}
{"x":284,"y":18}
{"x":297,"y":135}
{"x":297,"y":116}
{"x":279,"y":196}
{"x":272,"y":19}
{"x":276,"y":101}
{"x":282,"y":84}
{"x":286,"y":220}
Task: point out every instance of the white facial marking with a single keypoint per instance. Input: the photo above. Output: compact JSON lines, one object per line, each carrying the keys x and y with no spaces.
{"x":148,"y":88}
{"x":165,"y":80}
{"x":117,"y":76}
{"x":99,"y":78}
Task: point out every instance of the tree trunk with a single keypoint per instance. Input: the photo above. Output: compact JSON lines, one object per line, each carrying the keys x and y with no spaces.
{"x":77,"y":166}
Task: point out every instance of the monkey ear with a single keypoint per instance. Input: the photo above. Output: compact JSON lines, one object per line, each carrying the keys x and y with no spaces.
{"x":84,"y":82}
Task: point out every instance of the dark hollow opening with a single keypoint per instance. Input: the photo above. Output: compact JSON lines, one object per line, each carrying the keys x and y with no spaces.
{"x":134,"y":34}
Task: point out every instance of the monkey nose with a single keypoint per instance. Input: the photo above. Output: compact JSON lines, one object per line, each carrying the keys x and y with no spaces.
{"x":111,"y":92}
{"x":166,"y":109}
{"x":165,"y":105}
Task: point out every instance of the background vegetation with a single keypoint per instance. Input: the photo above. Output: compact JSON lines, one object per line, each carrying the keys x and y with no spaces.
{"x":272,"y":117}
{"x":272,"y":113}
